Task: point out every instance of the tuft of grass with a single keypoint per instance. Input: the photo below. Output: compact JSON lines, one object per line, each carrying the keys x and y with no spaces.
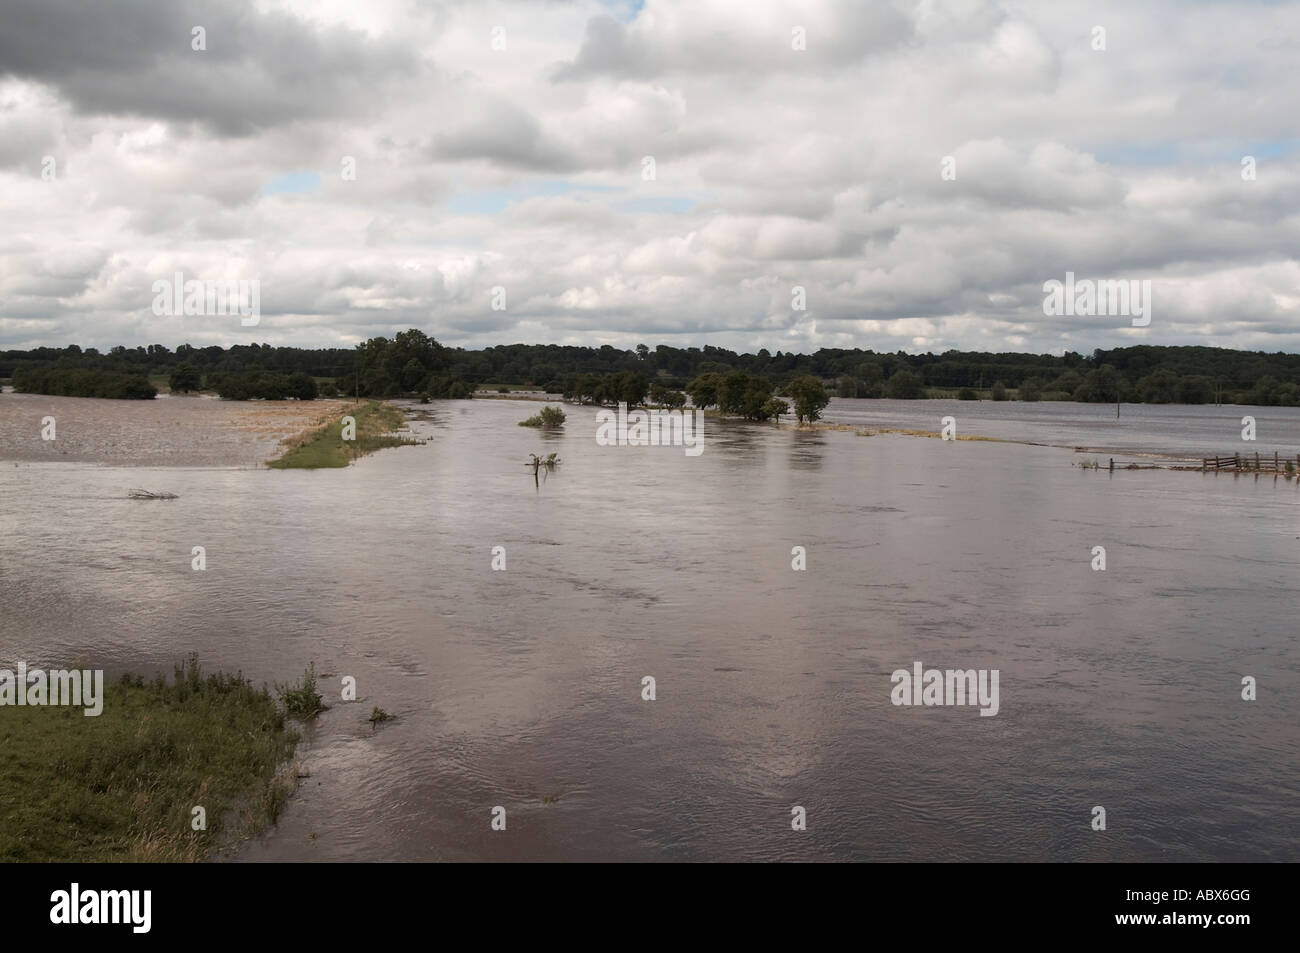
{"x":122,"y":786}
{"x":378,"y":716}
{"x":324,"y":446}
{"x":302,"y":700}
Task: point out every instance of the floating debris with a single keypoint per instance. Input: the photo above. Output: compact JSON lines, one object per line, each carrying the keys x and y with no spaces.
{"x":150,"y":495}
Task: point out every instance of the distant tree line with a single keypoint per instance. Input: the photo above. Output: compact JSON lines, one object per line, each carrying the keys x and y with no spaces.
{"x":413,"y":363}
{"x":266,"y":385}
{"x":77,"y":382}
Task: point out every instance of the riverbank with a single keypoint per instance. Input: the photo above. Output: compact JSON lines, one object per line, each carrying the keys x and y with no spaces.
{"x":326,"y":445}
{"x":124,"y":785}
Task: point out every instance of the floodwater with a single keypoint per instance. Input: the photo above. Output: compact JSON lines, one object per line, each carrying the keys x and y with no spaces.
{"x":171,"y":430}
{"x":1139,"y":431}
{"x":522,"y":688}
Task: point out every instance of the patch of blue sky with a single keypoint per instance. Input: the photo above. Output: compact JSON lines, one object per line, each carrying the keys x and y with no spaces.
{"x":675,"y":204}
{"x":494,"y":201}
{"x":301,"y":182}
{"x":625,"y":11}
{"x":1172,"y":153}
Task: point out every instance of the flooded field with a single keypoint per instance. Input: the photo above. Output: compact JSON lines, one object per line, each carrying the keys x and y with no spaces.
{"x":1139,"y":432}
{"x":189,"y":431}
{"x":523,"y":688}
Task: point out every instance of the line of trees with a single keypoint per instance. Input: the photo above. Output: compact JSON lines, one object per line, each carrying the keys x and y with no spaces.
{"x":411,"y":362}
{"x":265,"y":385}
{"x":82,"y":382}
{"x":741,"y":394}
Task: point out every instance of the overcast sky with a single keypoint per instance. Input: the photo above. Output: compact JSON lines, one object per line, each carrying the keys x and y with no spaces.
{"x":524,"y":168}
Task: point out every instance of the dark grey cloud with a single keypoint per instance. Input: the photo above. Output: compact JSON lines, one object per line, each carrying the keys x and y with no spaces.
{"x":258,"y":70}
{"x":508,"y":135}
{"x":760,"y":39}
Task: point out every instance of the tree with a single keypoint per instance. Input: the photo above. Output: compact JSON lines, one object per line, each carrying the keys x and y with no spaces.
{"x":704,"y":390}
{"x":774,"y":408}
{"x":905,"y":385}
{"x":674,"y":399}
{"x":1031,"y":389}
{"x":1265,"y":392}
{"x":412,"y":374}
{"x":1102,"y":385}
{"x":302,"y":386}
{"x":631,"y":388}
{"x":999,"y":391}
{"x":667,"y":397}
{"x":743,"y":395}
{"x":849,"y":386}
{"x":1195,"y":390}
{"x":810,"y":398}
{"x":184,"y":379}
{"x":1158,"y":387}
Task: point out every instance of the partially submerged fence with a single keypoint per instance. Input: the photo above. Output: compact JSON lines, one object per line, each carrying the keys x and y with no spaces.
{"x":1253,"y":464}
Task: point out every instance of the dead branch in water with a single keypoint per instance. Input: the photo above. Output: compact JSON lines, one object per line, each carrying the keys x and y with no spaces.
{"x":150,"y":494}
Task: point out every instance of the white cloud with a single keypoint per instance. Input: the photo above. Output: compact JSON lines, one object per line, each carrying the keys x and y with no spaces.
{"x":523,"y":168}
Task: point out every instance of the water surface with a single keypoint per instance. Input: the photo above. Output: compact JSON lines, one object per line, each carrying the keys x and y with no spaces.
{"x":522,"y":688}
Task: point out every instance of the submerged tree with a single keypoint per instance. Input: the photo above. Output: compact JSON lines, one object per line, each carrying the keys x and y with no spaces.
{"x":810,"y":398}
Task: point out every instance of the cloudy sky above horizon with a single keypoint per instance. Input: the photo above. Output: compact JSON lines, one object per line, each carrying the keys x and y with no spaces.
{"x":524,"y":168}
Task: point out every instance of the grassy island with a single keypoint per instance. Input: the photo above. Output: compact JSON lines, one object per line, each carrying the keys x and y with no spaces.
{"x":325,"y":446}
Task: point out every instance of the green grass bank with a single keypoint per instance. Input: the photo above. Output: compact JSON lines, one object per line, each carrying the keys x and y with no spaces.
{"x":325,"y":446}
{"x":123,"y":785}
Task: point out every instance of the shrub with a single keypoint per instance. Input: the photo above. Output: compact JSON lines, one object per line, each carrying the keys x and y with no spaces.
{"x":550,"y":418}
{"x":905,"y":385}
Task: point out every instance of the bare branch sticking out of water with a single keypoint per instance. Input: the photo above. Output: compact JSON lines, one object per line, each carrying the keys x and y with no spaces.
{"x":150,"y":495}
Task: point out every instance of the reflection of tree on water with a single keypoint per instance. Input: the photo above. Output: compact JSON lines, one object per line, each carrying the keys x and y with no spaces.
{"x":806,"y":450}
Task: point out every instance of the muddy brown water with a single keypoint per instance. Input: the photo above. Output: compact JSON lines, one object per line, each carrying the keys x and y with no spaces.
{"x":522,"y":688}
